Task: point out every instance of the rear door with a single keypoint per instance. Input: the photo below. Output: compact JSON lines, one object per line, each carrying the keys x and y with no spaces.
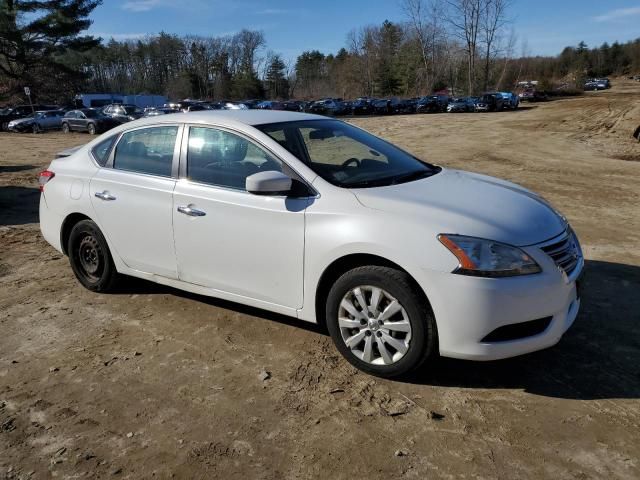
{"x":132,"y":197}
{"x":227,"y":238}
{"x":78,"y":121}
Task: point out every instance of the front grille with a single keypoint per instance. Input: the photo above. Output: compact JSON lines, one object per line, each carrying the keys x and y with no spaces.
{"x":565,"y":252}
{"x":516,"y":331}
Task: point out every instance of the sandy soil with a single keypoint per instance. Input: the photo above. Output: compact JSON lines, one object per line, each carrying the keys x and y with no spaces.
{"x":152,"y":382}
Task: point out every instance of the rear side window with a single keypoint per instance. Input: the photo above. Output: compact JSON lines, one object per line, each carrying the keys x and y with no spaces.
{"x":148,"y":150}
{"x":101,"y":151}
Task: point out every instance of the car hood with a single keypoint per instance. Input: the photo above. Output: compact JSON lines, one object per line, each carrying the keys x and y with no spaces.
{"x":22,"y":120}
{"x":464,"y":203}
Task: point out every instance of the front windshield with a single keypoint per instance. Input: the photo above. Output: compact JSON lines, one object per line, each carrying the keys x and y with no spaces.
{"x":131,"y":110}
{"x":347,"y":156}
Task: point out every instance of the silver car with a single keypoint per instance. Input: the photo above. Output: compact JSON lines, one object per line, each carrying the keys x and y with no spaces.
{"x":38,"y":122}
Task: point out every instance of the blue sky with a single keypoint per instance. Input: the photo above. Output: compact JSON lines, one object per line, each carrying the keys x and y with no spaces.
{"x":293,"y":26}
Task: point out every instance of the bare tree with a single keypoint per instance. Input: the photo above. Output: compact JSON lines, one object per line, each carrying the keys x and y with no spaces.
{"x":465,"y":17}
{"x":493,"y":18}
{"x":424,"y":19}
{"x":508,"y":56}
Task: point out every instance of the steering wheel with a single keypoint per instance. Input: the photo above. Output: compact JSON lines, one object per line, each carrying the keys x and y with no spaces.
{"x":351,"y":160}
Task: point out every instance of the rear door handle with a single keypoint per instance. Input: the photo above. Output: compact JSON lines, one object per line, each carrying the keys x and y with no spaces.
{"x":192,"y":212}
{"x":105,"y":196}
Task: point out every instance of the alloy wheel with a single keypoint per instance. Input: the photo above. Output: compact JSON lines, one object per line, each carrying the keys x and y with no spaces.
{"x":374,"y":325}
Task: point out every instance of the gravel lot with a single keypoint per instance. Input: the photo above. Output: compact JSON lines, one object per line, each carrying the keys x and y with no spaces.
{"x":154,"y":382}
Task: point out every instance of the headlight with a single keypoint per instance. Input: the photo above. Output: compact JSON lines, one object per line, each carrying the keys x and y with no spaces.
{"x":486,"y":258}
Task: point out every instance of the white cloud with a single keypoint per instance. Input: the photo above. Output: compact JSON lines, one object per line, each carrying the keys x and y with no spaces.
{"x":617,"y":14}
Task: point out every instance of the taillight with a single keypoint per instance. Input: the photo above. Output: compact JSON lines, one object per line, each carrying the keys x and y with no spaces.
{"x":44,"y":177}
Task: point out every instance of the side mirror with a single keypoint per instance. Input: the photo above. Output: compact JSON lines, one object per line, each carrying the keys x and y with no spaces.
{"x":268,"y":183}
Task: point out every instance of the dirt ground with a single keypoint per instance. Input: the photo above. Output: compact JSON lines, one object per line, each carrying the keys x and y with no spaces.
{"x":153,"y":382}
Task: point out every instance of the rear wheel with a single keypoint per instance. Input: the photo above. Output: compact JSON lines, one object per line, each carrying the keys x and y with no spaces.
{"x":91,"y":129}
{"x":65,"y":128}
{"x":36,"y":128}
{"x":379,"y":322}
{"x":90,"y":258}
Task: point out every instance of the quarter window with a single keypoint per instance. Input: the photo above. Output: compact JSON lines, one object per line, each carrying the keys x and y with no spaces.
{"x":102,"y":150}
{"x":148,"y":150}
{"x":222,"y":158}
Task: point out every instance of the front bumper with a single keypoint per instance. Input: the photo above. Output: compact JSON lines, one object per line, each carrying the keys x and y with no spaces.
{"x":467,"y":309}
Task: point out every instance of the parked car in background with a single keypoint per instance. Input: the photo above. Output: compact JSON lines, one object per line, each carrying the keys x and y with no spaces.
{"x":402,"y":260}
{"x":122,"y":113}
{"x":510,"y":100}
{"x":328,"y":106}
{"x":269,"y":105}
{"x":234,"y":106}
{"x":490,"y":102}
{"x":21,"y":111}
{"x":154,"y":112}
{"x":382,"y":106}
{"x":597,"y":84}
{"x":87,"y":120}
{"x":432,"y":104}
{"x":39,"y":122}
{"x":463,"y":104}
{"x":362,"y":106}
{"x":251,"y":103}
{"x":404,"y":106}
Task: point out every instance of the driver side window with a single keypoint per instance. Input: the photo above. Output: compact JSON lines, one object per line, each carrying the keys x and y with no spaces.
{"x":221,"y":158}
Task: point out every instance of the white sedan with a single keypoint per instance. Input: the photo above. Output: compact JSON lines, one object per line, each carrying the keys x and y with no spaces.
{"x":317,"y":219}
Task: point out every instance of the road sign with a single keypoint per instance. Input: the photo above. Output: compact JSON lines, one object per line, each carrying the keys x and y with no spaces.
{"x":27,"y":91}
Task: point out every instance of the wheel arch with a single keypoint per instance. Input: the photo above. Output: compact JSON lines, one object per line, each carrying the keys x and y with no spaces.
{"x":67,"y":226}
{"x":348,"y":262}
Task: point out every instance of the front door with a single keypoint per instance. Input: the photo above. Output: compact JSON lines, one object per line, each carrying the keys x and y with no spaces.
{"x":132,"y":197}
{"x":228,"y":239}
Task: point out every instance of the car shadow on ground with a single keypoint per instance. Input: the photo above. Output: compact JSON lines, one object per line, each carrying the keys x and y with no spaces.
{"x":598,"y":358}
{"x":131,"y":285}
{"x":18,"y":205}
{"x":15,"y":168}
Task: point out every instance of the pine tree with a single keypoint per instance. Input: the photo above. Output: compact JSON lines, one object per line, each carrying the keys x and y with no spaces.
{"x":276,"y":82}
{"x":40,"y":42}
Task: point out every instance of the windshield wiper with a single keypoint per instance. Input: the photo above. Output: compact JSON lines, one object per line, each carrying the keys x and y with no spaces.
{"x":386,"y":181}
{"x":410,"y":177}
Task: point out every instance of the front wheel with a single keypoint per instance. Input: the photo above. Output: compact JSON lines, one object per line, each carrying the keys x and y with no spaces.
{"x":91,"y":129}
{"x":379,"y":321}
{"x":90,"y":258}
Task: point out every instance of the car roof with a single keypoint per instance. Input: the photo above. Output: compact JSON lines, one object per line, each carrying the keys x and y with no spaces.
{"x":246,"y":117}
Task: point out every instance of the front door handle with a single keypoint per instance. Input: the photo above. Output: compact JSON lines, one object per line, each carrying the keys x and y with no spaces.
{"x":192,"y":212}
{"x":105,"y":196}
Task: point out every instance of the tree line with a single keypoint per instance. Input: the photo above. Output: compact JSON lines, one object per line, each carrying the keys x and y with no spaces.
{"x":468,"y":46}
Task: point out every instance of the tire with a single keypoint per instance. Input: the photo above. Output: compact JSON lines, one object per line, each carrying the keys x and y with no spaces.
{"x":4,"y":127}
{"x":35,"y":128}
{"x":90,"y":258}
{"x":65,"y":128}
{"x":419,"y":342}
{"x":91,"y":128}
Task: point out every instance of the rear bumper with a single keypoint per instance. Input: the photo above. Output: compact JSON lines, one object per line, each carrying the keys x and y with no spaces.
{"x":50,"y":224}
